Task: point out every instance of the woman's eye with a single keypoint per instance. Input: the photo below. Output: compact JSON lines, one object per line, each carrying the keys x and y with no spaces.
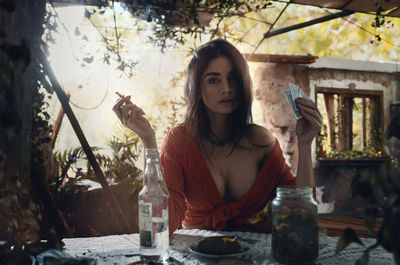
{"x":213,"y":80}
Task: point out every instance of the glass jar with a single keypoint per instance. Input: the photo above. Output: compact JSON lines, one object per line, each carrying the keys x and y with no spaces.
{"x":294,"y":225}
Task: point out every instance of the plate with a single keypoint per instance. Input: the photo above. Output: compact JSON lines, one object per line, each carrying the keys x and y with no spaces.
{"x":242,"y":251}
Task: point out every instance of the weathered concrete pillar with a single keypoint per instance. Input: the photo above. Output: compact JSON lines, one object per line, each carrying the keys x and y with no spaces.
{"x":270,"y":82}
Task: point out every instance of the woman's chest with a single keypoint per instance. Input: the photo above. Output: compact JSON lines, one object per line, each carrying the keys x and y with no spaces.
{"x":234,"y":175}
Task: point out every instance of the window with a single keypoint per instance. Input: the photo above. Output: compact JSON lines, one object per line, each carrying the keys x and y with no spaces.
{"x":352,"y":123}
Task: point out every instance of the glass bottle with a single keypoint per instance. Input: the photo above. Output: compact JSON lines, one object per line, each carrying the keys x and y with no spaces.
{"x":294,"y":225}
{"x":153,"y":211}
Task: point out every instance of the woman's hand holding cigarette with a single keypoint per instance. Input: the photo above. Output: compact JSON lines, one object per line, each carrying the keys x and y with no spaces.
{"x":132,"y":117}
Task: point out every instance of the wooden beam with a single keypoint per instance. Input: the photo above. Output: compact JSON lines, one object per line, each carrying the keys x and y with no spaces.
{"x":364,"y":122}
{"x":341,"y":123}
{"x":354,"y":93}
{"x":375,"y":121}
{"x":57,"y":124}
{"x":348,"y":109}
{"x":330,"y":110}
{"x":60,"y":3}
{"x":308,"y":23}
{"x":345,"y":109}
{"x":280,"y":58}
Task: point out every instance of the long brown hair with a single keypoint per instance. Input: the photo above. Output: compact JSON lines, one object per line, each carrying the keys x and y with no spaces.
{"x":196,"y":116}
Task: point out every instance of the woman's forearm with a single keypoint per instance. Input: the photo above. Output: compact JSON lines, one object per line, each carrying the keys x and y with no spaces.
{"x":305,"y":174}
{"x":149,"y":141}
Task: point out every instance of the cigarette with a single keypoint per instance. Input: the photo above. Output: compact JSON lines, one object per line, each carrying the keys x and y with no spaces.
{"x":121,"y":96}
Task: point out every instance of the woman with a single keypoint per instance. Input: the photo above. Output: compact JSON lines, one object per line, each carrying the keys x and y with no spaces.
{"x":220,"y":168}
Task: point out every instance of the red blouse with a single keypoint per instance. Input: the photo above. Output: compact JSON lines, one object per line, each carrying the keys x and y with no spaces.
{"x":194,"y":198}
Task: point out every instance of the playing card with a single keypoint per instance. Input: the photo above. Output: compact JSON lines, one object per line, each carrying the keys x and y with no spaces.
{"x":294,"y":91}
{"x":289,"y":98}
{"x":302,"y":95}
{"x":292,"y":94}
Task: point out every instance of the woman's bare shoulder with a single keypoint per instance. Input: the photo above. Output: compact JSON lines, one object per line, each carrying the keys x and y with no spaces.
{"x":263,"y":137}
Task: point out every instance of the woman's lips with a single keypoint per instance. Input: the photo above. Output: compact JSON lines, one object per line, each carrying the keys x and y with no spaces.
{"x":226,"y":101}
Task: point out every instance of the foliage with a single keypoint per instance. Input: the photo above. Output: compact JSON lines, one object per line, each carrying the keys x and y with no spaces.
{"x":16,"y":58}
{"x":381,"y":194}
{"x":18,"y":220}
{"x":326,"y":149}
{"x":21,"y":215}
{"x":125,"y":149}
{"x":116,"y":168}
{"x":177,"y":21}
{"x":366,"y":153}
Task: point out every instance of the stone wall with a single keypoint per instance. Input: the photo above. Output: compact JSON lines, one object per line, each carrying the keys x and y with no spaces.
{"x":270,"y":82}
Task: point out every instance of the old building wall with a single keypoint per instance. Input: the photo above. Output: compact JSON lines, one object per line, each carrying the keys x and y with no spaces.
{"x":388,"y":83}
{"x":270,"y":82}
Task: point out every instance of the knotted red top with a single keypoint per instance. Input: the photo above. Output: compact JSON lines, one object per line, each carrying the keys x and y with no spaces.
{"x":195,"y":199}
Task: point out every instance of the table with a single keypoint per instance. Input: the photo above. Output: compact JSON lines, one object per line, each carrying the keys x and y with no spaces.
{"x":124,"y":249}
{"x":336,"y":224}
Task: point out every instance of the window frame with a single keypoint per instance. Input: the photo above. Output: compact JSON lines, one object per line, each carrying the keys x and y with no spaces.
{"x":347,"y":96}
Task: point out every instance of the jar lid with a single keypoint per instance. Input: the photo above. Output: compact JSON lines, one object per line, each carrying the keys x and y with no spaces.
{"x":293,"y":189}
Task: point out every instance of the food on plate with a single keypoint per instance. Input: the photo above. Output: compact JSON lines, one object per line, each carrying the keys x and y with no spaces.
{"x":219,"y":245}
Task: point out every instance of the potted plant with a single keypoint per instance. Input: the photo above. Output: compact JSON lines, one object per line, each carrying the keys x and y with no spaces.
{"x":381,"y":195}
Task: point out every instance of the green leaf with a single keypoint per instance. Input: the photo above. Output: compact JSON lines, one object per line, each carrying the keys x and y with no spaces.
{"x":349,"y":236}
{"x":384,"y":237}
{"x":370,"y":220}
{"x":363,"y":260}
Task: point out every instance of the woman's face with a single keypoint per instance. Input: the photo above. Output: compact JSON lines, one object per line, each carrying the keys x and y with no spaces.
{"x":219,"y":87}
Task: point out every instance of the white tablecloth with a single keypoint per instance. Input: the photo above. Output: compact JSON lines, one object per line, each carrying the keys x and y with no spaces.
{"x":124,"y":249}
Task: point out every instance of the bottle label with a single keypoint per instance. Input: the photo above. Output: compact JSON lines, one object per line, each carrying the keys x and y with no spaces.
{"x":146,"y":238}
{"x":145,"y":209}
{"x":145,"y":225}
